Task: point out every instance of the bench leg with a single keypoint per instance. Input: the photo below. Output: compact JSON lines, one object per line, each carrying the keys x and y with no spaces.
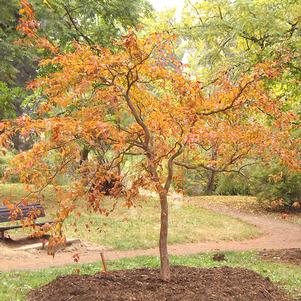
{"x":2,"y":234}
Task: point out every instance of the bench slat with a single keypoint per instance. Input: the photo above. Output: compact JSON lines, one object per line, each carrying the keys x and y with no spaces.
{"x":20,"y":226}
{"x":24,"y":211}
{"x":21,"y":206}
{"x":5,"y":213}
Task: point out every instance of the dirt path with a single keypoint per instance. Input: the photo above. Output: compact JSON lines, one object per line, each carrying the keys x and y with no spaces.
{"x":277,"y":234}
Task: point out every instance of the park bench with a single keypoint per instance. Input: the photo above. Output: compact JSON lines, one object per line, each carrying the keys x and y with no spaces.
{"x":23,"y":211}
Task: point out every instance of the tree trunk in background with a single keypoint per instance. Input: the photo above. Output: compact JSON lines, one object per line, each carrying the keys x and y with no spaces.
{"x":210,"y":183}
{"x":165,"y":269}
{"x":84,"y":155}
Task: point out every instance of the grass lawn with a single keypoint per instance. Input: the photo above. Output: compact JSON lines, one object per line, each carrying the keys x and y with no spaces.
{"x":247,"y":204}
{"x":138,"y":227}
{"x":15,"y":285}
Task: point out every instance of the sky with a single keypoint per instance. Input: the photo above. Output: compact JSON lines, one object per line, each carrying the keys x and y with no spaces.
{"x":163,"y":4}
{"x":160,"y":5}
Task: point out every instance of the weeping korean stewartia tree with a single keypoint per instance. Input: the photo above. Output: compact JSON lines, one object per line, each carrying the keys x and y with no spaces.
{"x":101,"y":108}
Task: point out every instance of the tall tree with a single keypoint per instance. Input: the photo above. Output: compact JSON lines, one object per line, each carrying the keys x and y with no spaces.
{"x":61,"y":21}
{"x":233,"y":36}
{"x":16,"y":62}
{"x":239,"y":34}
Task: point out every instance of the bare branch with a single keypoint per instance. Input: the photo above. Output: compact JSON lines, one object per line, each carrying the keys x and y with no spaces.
{"x":224,"y":109}
{"x":85,"y":37}
{"x":170,"y":165}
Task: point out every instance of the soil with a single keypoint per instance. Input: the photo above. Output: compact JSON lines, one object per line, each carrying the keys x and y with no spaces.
{"x":12,"y":243}
{"x":292,"y":256}
{"x":215,"y":284}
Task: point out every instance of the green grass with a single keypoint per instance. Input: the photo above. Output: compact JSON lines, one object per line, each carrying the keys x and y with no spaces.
{"x":247,"y":204}
{"x":138,"y":227}
{"x":15,"y":285}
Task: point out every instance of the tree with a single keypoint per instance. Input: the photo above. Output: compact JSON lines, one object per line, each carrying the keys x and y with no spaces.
{"x":99,"y":22}
{"x":63,"y":21}
{"x":138,"y":102}
{"x":278,"y":185}
{"x":96,"y":22}
{"x":16,"y":63}
{"x":234,"y":36}
{"x":240,"y":34}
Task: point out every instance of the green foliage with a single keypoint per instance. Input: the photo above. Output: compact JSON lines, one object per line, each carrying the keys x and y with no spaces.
{"x":62,"y":22}
{"x":193,"y":182}
{"x":10,"y":100}
{"x":4,"y":163}
{"x":16,"y":63}
{"x":276,"y":183}
{"x":270,"y":183}
{"x":235,"y":35}
{"x":95,"y":22}
{"x":232,"y":184}
{"x":241,"y":33}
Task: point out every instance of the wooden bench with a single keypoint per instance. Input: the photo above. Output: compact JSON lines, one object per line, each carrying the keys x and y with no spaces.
{"x":34,"y":210}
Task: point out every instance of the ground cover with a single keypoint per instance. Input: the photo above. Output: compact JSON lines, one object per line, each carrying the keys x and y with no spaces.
{"x":15,"y":285}
{"x":247,"y":204}
{"x":138,"y":227}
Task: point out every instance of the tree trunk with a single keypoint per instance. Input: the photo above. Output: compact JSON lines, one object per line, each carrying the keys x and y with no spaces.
{"x":165,"y":270}
{"x":84,"y":155}
{"x":210,"y":184}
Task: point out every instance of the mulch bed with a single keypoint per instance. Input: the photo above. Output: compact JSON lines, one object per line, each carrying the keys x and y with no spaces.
{"x":215,"y":284}
{"x":286,"y":255}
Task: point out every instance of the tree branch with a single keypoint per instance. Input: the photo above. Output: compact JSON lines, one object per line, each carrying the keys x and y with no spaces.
{"x":232,"y":102}
{"x":170,"y":166}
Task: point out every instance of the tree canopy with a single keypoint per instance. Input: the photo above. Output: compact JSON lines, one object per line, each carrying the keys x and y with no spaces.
{"x":62,"y":21}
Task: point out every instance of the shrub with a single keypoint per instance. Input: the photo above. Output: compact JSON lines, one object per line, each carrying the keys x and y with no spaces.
{"x":277,"y":185}
{"x":192,"y":182}
{"x":232,"y":184}
{"x":4,"y":162}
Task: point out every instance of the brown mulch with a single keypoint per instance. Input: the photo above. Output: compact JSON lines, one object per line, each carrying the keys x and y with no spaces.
{"x":215,"y":284}
{"x":292,"y":256}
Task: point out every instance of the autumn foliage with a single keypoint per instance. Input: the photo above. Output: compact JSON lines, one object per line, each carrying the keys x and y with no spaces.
{"x":138,"y":116}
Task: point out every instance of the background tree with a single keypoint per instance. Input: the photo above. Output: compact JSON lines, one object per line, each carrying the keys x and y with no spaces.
{"x":98,"y":22}
{"x":62,"y":22}
{"x":240,"y":34}
{"x":233,"y":36}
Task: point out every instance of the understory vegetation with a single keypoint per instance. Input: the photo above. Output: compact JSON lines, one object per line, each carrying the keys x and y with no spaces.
{"x":274,"y":186}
